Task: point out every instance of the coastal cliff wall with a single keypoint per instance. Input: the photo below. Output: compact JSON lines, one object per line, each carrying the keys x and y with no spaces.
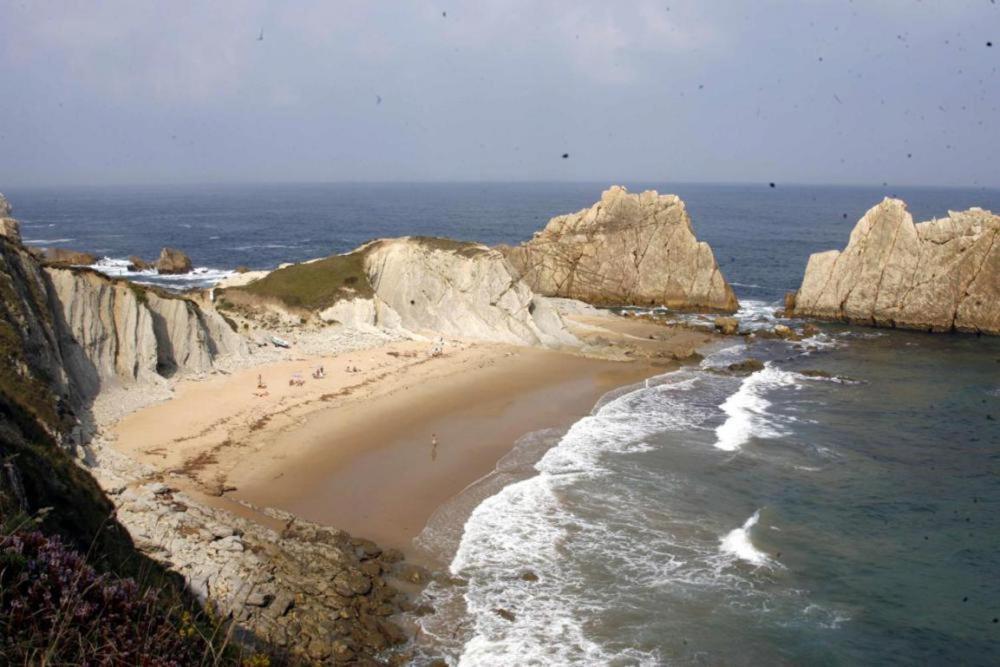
{"x":627,"y":249}
{"x":81,"y":331}
{"x":940,"y":275}
{"x":115,"y":331}
{"x":421,"y":285}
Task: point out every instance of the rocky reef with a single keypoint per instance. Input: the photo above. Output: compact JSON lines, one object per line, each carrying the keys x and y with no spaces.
{"x":627,"y":249}
{"x":940,"y":275}
{"x":417,"y":284}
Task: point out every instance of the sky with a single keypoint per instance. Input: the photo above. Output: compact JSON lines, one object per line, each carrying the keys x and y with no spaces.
{"x":905,"y":92}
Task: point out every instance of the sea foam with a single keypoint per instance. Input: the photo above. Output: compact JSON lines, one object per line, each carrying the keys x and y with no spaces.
{"x":746,"y":409}
{"x":738,"y":543}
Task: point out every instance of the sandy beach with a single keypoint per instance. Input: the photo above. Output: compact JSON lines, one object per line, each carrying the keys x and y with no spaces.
{"x":356,"y":448}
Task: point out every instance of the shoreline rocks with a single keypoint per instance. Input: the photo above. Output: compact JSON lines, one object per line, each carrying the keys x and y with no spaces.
{"x":65,"y":256}
{"x":311,"y":592}
{"x":627,"y":249}
{"x":172,"y":261}
{"x":941,"y":275}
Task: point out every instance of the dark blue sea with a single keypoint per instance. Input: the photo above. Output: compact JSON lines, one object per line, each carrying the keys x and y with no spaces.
{"x":785,"y":517}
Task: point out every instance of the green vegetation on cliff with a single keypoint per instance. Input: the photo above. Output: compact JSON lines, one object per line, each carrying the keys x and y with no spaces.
{"x":313,"y":285}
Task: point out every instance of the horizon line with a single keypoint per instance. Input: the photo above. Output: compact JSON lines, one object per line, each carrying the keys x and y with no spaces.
{"x":602,"y":183}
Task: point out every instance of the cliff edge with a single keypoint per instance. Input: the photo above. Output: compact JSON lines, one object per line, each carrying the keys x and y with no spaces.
{"x":418,"y":284}
{"x":627,"y":249}
{"x":940,"y":275}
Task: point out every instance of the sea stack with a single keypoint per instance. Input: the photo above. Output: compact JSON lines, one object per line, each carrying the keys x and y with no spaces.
{"x":940,"y":275}
{"x":625,"y":250}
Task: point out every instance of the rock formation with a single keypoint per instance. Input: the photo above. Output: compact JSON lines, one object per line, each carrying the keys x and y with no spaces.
{"x":84,"y":330}
{"x":9,"y":227}
{"x":422,"y":285}
{"x":136,"y":263}
{"x":67,"y":256}
{"x":941,"y":275}
{"x":115,"y":331}
{"x":171,"y":261}
{"x":627,"y":249}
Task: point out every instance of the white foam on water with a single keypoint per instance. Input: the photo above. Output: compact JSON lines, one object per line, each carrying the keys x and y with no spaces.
{"x":46,"y":241}
{"x":527,"y":525}
{"x":738,"y":543}
{"x":746,"y":409}
{"x":199,"y":277}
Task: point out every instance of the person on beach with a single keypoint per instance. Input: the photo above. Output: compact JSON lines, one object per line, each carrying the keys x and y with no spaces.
{"x":260,"y":382}
{"x":434,"y":446}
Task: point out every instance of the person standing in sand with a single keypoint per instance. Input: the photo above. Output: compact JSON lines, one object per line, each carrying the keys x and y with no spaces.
{"x":434,"y":446}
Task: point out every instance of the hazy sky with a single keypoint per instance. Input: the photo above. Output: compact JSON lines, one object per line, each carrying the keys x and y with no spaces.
{"x":815,"y":91}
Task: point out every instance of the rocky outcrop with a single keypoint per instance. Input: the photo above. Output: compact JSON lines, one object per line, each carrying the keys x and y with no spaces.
{"x":172,"y":261}
{"x":136,"y":263}
{"x":421,"y":285}
{"x":940,"y":275}
{"x":68,"y":257}
{"x":119,"y":332}
{"x":627,"y":249}
{"x":82,"y":331}
{"x":9,"y":227}
{"x":314,"y":593}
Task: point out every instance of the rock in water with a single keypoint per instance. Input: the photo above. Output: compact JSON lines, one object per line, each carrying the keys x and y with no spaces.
{"x":172,"y":260}
{"x":941,"y":275}
{"x":136,"y":263}
{"x":728,"y":326}
{"x":627,"y":249}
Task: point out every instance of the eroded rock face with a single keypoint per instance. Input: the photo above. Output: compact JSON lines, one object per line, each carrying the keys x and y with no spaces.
{"x":940,"y":275}
{"x":172,"y":261}
{"x":469,"y":293}
{"x":627,"y":249}
{"x":419,"y":285}
{"x":121,"y":332}
{"x":9,"y":227}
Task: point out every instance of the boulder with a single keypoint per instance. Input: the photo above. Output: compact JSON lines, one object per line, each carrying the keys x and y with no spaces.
{"x":172,"y":261}
{"x":728,"y":326}
{"x":68,"y":257}
{"x":627,"y":249}
{"x":750,"y":365}
{"x":136,"y":263}
{"x":783,"y":331}
{"x":940,"y":275}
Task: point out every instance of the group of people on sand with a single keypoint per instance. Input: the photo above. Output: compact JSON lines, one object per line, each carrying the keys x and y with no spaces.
{"x":296,"y":380}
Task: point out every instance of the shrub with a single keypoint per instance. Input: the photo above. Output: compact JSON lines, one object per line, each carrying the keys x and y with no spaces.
{"x":56,"y":609}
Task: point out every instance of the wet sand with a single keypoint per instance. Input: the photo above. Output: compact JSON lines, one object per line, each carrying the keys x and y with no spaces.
{"x":373,"y":470}
{"x":354,"y":449}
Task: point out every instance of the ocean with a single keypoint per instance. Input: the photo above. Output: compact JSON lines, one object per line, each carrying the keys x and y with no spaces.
{"x":840,"y":506}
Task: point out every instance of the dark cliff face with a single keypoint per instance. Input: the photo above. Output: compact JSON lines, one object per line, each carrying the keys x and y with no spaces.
{"x":35,"y":414}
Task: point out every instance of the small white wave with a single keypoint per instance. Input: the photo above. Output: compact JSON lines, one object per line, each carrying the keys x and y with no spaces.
{"x":46,"y":241}
{"x":199,"y":277}
{"x":746,"y":409}
{"x":738,"y":543}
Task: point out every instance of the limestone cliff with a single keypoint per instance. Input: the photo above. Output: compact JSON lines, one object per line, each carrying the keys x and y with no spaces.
{"x":423,"y":285}
{"x":627,"y":249}
{"x":116,"y":331}
{"x":940,"y":275}
{"x":80,"y":330}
